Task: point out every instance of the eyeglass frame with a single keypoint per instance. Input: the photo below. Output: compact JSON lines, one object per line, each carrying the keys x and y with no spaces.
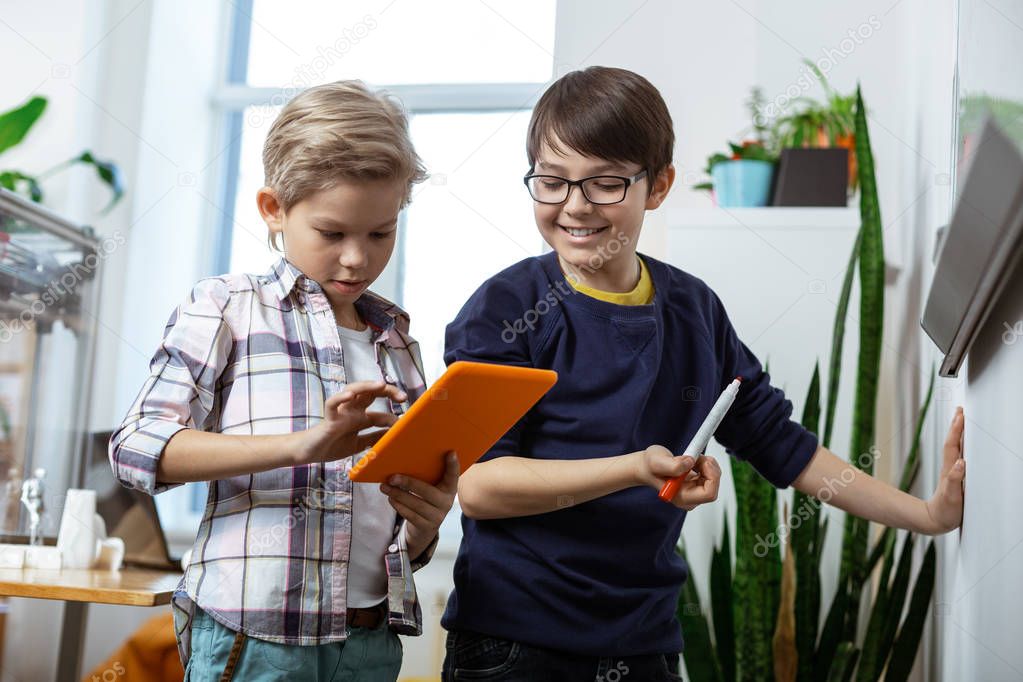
{"x":579,"y":183}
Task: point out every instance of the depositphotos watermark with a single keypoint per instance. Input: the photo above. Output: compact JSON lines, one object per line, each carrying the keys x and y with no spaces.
{"x":558,"y":292}
{"x":1012,"y":333}
{"x":615,"y":674}
{"x":110,"y":674}
{"x":806,"y":510}
{"x":824,"y":64}
{"x":312,"y":73}
{"x":318,"y":496}
{"x":59,"y":290}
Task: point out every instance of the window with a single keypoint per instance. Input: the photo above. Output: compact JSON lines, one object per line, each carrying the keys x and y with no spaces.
{"x":468,"y":73}
{"x":470,"y":220}
{"x":400,"y":41}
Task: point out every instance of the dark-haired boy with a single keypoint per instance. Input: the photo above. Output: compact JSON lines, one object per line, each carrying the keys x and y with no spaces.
{"x":567,"y":569}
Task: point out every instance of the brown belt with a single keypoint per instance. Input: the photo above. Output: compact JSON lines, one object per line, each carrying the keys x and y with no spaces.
{"x":232,"y":658}
{"x":370,"y":617}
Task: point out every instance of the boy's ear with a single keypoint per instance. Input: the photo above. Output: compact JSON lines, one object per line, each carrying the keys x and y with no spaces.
{"x":270,"y":209}
{"x":662,"y":184}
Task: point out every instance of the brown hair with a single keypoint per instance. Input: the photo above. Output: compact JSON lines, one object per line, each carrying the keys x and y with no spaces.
{"x":337,"y":131}
{"x":606,"y":113}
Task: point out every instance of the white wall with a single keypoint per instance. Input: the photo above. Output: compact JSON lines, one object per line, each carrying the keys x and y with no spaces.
{"x":980,"y":602}
{"x":979,"y":622}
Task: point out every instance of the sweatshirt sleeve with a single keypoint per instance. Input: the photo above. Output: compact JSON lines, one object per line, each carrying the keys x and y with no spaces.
{"x":493,"y":327}
{"x":758,"y":428}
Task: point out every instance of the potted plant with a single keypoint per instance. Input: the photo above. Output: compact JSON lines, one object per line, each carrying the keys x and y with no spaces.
{"x":741,"y":178}
{"x":828,"y":124}
{"x":15,"y":125}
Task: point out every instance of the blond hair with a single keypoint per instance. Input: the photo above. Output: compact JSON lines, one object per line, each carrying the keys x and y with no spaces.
{"x":333,"y":132}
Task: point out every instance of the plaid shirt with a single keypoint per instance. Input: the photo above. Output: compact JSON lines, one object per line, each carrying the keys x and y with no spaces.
{"x":255,"y":355}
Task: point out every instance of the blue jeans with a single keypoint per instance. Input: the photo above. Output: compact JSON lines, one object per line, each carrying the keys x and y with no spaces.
{"x":370,"y":655}
{"x":472,"y":656}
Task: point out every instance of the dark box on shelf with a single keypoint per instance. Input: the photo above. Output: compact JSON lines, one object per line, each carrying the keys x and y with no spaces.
{"x":812,"y":177}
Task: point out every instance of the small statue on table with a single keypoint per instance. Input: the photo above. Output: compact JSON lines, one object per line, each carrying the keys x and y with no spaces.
{"x":32,"y":497}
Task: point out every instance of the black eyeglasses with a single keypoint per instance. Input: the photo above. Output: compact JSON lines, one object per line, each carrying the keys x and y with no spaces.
{"x":597,"y":189}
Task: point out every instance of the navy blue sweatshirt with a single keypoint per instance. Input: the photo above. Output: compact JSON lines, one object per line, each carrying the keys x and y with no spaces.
{"x":602,"y":578}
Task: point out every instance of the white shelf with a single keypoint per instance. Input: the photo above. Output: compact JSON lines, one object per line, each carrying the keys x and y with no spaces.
{"x":767,"y":218}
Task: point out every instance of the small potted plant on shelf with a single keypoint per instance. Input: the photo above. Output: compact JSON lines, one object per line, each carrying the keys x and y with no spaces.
{"x":743,"y":177}
{"x":820,"y":125}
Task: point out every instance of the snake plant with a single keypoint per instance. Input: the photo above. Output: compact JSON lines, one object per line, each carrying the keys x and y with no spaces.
{"x":764,"y":617}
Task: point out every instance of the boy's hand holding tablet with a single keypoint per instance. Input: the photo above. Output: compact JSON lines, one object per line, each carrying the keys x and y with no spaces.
{"x":452,"y":417}
{"x":419,"y":460}
{"x":423,"y":506}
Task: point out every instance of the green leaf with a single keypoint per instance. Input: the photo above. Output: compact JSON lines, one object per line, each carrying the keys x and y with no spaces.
{"x":909,"y":471}
{"x":838,"y":340}
{"x":844,"y":663}
{"x":722,"y":606}
{"x":757,"y":572}
{"x":16,"y":123}
{"x":831,"y":634}
{"x":912,"y":465}
{"x":876,"y":642}
{"x":107,"y":172}
{"x":21,"y":183}
{"x":701,"y":662}
{"x":896,"y":603}
{"x":871,"y":274}
{"x":805,"y":539}
{"x":715,"y":159}
{"x":908,"y":640}
{"x":880,"y":550}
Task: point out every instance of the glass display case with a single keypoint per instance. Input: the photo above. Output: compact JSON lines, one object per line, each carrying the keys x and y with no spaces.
{"x":49,"y":295}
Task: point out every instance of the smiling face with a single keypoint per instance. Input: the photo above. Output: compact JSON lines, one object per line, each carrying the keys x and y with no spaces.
{"x":597,"y":243}
{"x":340,"y":237}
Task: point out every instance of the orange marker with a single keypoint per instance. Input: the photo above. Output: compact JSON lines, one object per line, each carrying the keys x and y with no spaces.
{"x":699,"y":443}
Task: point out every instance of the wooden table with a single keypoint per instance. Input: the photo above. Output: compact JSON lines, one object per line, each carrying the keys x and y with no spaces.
{"x":78,"y":588}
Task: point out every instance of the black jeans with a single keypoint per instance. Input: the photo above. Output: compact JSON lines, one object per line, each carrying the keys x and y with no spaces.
{"x":472,"y":656}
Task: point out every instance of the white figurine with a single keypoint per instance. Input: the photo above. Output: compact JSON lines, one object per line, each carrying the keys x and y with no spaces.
{"x":32,"y":498}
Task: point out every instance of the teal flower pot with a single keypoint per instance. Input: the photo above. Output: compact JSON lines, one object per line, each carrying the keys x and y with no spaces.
{"x":742,"y":183}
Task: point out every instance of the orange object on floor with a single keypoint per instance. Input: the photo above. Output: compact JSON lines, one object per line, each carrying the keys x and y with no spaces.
{"x":150,"y":653}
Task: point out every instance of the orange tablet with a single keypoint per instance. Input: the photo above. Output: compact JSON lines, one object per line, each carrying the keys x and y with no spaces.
{"x":467,"y":410}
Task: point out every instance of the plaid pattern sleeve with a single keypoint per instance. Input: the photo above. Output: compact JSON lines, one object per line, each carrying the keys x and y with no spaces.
{"x":180,"y":391}
{"x":255,"y":355}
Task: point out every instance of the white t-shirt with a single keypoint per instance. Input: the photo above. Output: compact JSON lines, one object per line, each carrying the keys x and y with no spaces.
{"x":373,"y":517}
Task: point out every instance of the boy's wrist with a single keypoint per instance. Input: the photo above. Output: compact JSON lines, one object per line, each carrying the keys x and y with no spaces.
{"x":293,"y":452}
{"x":636,"y":467}
{"x":928,"y":523}
{"x":416,"y":541}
